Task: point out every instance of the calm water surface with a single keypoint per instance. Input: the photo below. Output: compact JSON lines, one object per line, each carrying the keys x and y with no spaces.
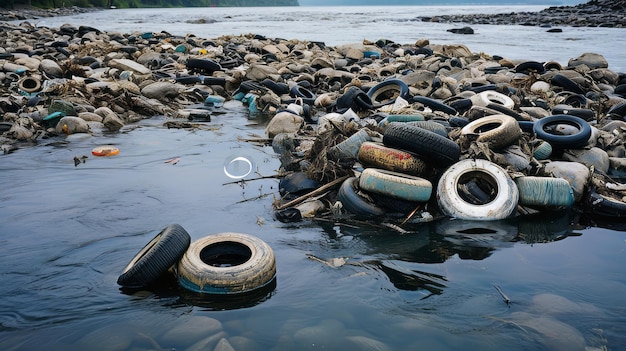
{"x":66,"y":233}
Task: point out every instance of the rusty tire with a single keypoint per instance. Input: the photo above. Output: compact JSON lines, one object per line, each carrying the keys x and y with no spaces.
{"x":379,"y":156}
{"x":227,"y":263}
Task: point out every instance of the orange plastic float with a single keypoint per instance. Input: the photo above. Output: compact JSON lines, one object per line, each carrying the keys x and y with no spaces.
{"x":105,"y":150}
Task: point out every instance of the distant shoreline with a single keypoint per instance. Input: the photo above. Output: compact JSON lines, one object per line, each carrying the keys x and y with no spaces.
{"x":594,"y":13}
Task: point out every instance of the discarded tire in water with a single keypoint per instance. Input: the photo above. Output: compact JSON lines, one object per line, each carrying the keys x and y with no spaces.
{"x":354,"y":203}
{"x":379,"y":156}
{"x":394,"y":184}
{"x":544,"y":192}
{"x":494,"y":180}
{"x":161,"y":253}
{"x":227,"y":263}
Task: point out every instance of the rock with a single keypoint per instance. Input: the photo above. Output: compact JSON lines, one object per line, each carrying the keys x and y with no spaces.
{"x":129,"y":65}
{"x":594,"y":156}
{"x":161,"y":90}
{"x":51,"y":68}
{"x":72,"y":124}
{"x":284,"y":122}
{"x":590,"y":60}
{"x":90,"y":117}
{"x":463,"y":30}
{"x":190,"y":330}
{"x":576,"y":174}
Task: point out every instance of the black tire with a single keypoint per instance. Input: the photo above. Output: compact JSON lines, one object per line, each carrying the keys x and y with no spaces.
{"x":204,"y":65}
{"x":584,"y":113}
{"x":156,"y":258}
{"x":435,"y":105}
{"x":308,"y":97}
{"x":227,"y":263}
{"x":461,"y":105}
{"x":618,"y":110}
{"x":278,"y":88}
{"x":530,"y":66}
{"x":566,"y":83}
{"x":429,"y":145}
{"x":380,"y":93}
{"x":507,"y":111}
{"x":188,"y":80}
{"x":432,"y":126}
{"x":354,"y":203}
{"x":573,"y":141}
{"x":603,"y":206}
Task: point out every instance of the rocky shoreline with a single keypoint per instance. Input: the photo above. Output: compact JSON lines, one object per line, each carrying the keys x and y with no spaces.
{"x":33,"y":13}
{"x":595,"y":13}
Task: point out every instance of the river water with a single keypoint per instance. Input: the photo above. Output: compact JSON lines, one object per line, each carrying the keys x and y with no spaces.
{"x":67,"y":231}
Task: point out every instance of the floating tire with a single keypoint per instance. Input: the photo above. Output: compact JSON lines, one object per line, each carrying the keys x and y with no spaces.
{"x":545,"y":129}
{"x":429,"y":145}
{"x":544,"y":192}
{"x":397,"y":185}
{"x":227,"y":263}
{"x":498,"y":131}
{"x":604,"y":206}
{"x":354,"y":203}
{"x":502,"y":191}
{"x":379,"y":156}
{"x":156,"y":258}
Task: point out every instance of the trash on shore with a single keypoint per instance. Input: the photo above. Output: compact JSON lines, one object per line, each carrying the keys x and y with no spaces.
{"x":393,"y":133}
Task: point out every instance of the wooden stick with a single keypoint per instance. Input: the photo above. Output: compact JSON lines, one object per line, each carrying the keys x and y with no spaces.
{"x":312,"y":193}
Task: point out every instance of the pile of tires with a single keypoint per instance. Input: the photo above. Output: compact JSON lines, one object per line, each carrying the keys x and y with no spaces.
{"x":219,"y":264}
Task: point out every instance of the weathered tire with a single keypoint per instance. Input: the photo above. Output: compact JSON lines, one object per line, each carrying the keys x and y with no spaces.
{"x":544,"y":192}
{"x":354,"y":203}
{"x":429,"y":145}
{"x":573,"y":141}
{"x":227,"y":263}
{"x":488,"y":97}
{"x":604,"y":206}
{"x":566,"y":83}
{"x":379,"y":156}
{"x":307,"y":96}
{"x":386,"y":92}
{"x":431,"y":126}
{"x":349,"y":148}
{"x":394,"y":184}
{"x":205,"y":65}
{"x":154,"y":259}
{"x":435,"y":105}
{"x":542,"y":150}
{"x":503,"y":197}
{"x":498,"y":131}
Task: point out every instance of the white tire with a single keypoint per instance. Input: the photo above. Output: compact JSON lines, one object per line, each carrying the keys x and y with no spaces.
{"x":492,"y":97}
{"x":503,"y":191}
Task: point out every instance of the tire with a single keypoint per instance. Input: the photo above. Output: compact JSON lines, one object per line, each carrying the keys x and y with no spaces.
{"x":397,"y":185}
{"x":584,"y":113}
{"x":498,"y":131}
{"x":431,"y":126}
{"x":544,"y":192}
{"x":204,"y":65}
{"x":617,"y":110}
{"x":574,"y":141}
{"x":29,"y":84}
{"x":429,"y":145}
{"x":154,"y":259}
{"x":227,"y":263}
{"x":566,"y":83}
{"x":354,"y":203}
{"x":380,"y":93}
{"x":349,"y":148}
{"x":489,"y":97}
{"x":543,"y":150}
{"x":435,"y":105}
{"x":604,"y":206}
{"x":530,"y":66}
{"x":505,"y":110}
{"x":276,"y":87}
{"x":307,"y":96}
{"x":379,"y":156}
{"x":503,"y":198}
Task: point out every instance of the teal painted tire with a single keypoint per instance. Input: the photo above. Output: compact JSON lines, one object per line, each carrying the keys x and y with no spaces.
{"x":227,"y":263}
{"x":397,"y":185}
{"x":544,"y":192}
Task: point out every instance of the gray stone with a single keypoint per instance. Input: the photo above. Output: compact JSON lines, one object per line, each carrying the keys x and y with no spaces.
{"x":576,"y":174}
{"x":283,"y":122}
{"x":590,"y":60}
{"x":71,"y":125}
